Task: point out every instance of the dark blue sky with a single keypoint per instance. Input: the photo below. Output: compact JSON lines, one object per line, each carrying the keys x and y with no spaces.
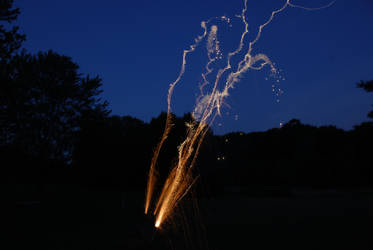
{"x":136,"y":48}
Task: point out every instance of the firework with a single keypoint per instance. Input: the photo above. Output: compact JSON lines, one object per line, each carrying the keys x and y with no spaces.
{"x":208,"y":106}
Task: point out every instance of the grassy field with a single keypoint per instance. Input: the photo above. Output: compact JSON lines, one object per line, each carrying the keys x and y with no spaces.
{"x":231,"y":221}
{"x":308,"y":222}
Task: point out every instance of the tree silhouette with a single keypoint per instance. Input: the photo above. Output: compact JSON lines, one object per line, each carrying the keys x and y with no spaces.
{"x":368,"y":87}
{"x":43,"y":98}
{"x":112,"y":152}
{"x":10,"y":40}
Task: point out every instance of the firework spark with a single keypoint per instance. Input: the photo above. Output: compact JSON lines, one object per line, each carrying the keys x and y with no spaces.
{"x":207,"y":107}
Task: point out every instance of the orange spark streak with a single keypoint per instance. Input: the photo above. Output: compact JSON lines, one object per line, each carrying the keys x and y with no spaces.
{"x":152,"y":172}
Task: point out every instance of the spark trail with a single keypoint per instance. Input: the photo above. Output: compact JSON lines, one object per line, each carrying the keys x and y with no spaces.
{"x":207,"y":107}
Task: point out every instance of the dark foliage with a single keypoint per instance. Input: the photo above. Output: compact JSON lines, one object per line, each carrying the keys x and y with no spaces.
{"x":368,"y":87}
{"x":10,"y":39}
{"x":42,"y":102}
{"x":111,"y":152}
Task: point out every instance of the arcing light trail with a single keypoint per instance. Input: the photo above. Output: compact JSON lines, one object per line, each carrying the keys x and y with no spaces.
{"x":207,"y":107}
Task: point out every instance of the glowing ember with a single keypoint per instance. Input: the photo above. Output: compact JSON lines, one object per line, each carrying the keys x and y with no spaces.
{"x":208,"y":106}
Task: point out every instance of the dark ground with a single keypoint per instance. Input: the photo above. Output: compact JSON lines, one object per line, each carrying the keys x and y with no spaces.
{"x":108,"y":220}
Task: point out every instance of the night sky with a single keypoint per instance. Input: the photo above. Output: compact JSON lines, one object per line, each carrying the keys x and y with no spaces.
{"x":136,"y":48}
